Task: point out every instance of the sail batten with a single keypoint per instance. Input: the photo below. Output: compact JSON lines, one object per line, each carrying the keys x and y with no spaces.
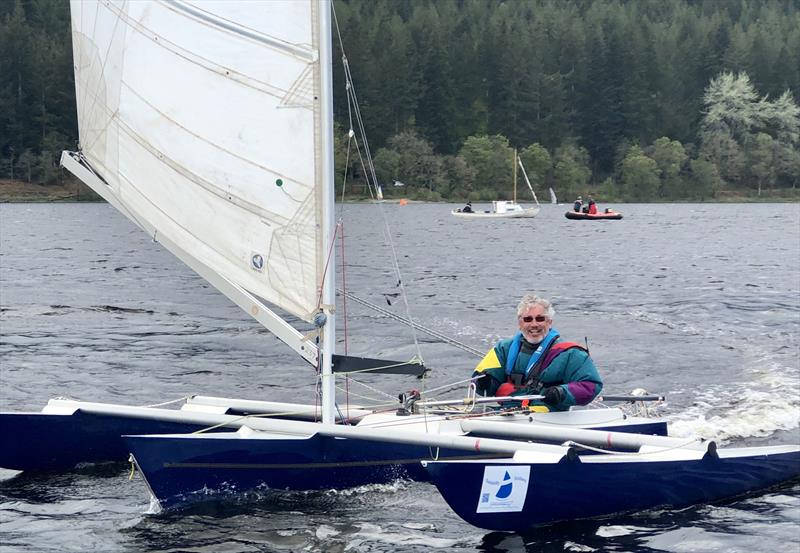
{"x":203,"y":119}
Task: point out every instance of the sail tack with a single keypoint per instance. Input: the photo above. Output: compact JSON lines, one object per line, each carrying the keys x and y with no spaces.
{"x":203,"y":119}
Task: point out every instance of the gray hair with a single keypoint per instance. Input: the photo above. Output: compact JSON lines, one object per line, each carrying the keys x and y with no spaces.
{"x":530,"y":300}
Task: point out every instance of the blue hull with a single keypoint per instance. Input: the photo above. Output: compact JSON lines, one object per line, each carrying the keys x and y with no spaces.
{"x":572,"y":490}
{"x":180,"y":470}
{"x":44,"y":442}
{"x":58,"y":442}
{"x":185,"y":469}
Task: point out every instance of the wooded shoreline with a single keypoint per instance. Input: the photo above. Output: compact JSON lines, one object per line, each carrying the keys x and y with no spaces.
{"x":628,"y":101}
{"x":15,"y":191}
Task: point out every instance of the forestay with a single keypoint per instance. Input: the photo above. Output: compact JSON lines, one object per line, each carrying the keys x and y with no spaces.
{"x":204,"y":120}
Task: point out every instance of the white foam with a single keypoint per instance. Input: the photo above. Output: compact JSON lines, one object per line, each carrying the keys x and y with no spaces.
{"x":613,"y":531}
{"x":572,"y":546}
{"x":389,"y":488}
{"x":324,"y":532}
{"x":373,"y":532}
{"x":766,"y":403}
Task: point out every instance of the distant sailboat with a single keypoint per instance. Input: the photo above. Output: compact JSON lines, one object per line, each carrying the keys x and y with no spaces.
{"x":553,"y":199}
{"x":503,"y":209}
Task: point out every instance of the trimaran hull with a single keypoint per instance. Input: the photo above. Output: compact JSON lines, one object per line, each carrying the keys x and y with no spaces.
{"x":516,"y":495}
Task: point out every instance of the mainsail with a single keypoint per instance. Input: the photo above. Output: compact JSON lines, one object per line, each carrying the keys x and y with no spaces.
{"x":204,"y":119}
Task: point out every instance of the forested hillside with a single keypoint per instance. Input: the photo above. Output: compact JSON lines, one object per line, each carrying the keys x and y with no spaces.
{"x":630,"y":100}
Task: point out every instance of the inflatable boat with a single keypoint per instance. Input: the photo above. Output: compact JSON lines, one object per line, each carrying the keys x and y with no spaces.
{"x":606,"y":215}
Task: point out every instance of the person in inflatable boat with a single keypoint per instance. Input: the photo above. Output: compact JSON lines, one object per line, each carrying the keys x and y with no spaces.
{"x":536,"y":361}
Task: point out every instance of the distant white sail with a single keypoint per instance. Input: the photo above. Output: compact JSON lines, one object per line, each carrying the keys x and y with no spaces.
{"x":553,"y":199}
{"x":203,"y":118}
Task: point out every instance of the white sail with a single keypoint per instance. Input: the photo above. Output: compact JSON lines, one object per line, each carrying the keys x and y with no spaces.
{"x":553,"y":199}
{"x":204,"y":119}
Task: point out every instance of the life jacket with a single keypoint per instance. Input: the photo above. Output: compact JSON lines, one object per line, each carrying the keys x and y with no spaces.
{"x":539,"y":361}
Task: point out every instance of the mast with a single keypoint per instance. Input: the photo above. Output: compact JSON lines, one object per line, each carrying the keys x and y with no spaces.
{"x":514,"y":163}
{"x":328,"y":388}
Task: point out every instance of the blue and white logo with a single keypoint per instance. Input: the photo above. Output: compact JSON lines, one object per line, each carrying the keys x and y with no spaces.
{"x":257,"y":262}
{"x":504,"y":488}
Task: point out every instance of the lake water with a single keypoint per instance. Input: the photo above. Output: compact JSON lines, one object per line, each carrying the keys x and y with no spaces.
{"x":697,"y":302}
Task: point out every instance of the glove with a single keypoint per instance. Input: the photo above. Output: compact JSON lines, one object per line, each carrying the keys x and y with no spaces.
{"x":553,"y":395}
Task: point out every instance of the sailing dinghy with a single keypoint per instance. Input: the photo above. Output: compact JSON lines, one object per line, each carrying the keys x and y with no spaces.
{"x":209,"y":125}
{"x":504,"y":209}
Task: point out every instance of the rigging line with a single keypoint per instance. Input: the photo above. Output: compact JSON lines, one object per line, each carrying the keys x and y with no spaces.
{"x":387,"y":366}
{"x":429,"y":331}
{"x":447,"y":387}
{"x":370,"y":185}
{"x":331,"y":248}
{"x":377,"y":391}
{"x":375,"y":402}
{"x":163,"y":403}
{"x":360,"y":120}
{"x":629,"y":453}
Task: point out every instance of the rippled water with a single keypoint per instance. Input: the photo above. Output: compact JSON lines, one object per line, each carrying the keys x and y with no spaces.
{"x":698,"y":302}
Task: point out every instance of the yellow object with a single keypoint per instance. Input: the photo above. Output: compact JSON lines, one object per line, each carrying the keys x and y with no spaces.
{"x":489,"y":361}
{"x":539,"y":408}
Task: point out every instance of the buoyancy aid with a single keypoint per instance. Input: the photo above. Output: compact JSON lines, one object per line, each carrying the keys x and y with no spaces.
{"x":516,"y":345}
{"x":539,"y":361}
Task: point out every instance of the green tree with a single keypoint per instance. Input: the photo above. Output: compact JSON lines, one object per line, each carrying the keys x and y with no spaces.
{"x":435,"y":109}
{"x":491,"y":159}
{"x":640,"y":176}
{"x":760,"y":157}
{"x":410,"y":159}
{"x":571,"y":170}
{"x":670,"y":157}
{"x":538,"y":164}
{"x":704,"y":179}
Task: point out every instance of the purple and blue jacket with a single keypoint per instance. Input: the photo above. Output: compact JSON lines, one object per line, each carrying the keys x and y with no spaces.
{"x":565,"y":364}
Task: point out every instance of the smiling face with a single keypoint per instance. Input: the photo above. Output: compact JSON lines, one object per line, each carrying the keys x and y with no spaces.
{"x":534,"y":323}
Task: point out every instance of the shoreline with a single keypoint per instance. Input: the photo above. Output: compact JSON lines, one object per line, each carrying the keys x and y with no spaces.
{"x":15,"y":191}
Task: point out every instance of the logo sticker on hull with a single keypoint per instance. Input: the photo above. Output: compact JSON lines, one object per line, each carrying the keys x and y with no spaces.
{"x":504,"y":489}
{"x":257,"y":262}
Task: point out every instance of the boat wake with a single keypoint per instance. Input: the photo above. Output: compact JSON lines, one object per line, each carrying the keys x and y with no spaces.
{"x":767,"y":403}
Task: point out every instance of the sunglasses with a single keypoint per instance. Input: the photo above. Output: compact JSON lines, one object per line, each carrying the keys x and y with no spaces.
{"x":531,"y":318}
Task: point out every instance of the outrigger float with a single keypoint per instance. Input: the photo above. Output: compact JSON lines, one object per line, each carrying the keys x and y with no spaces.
{"x":586,"y":478}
